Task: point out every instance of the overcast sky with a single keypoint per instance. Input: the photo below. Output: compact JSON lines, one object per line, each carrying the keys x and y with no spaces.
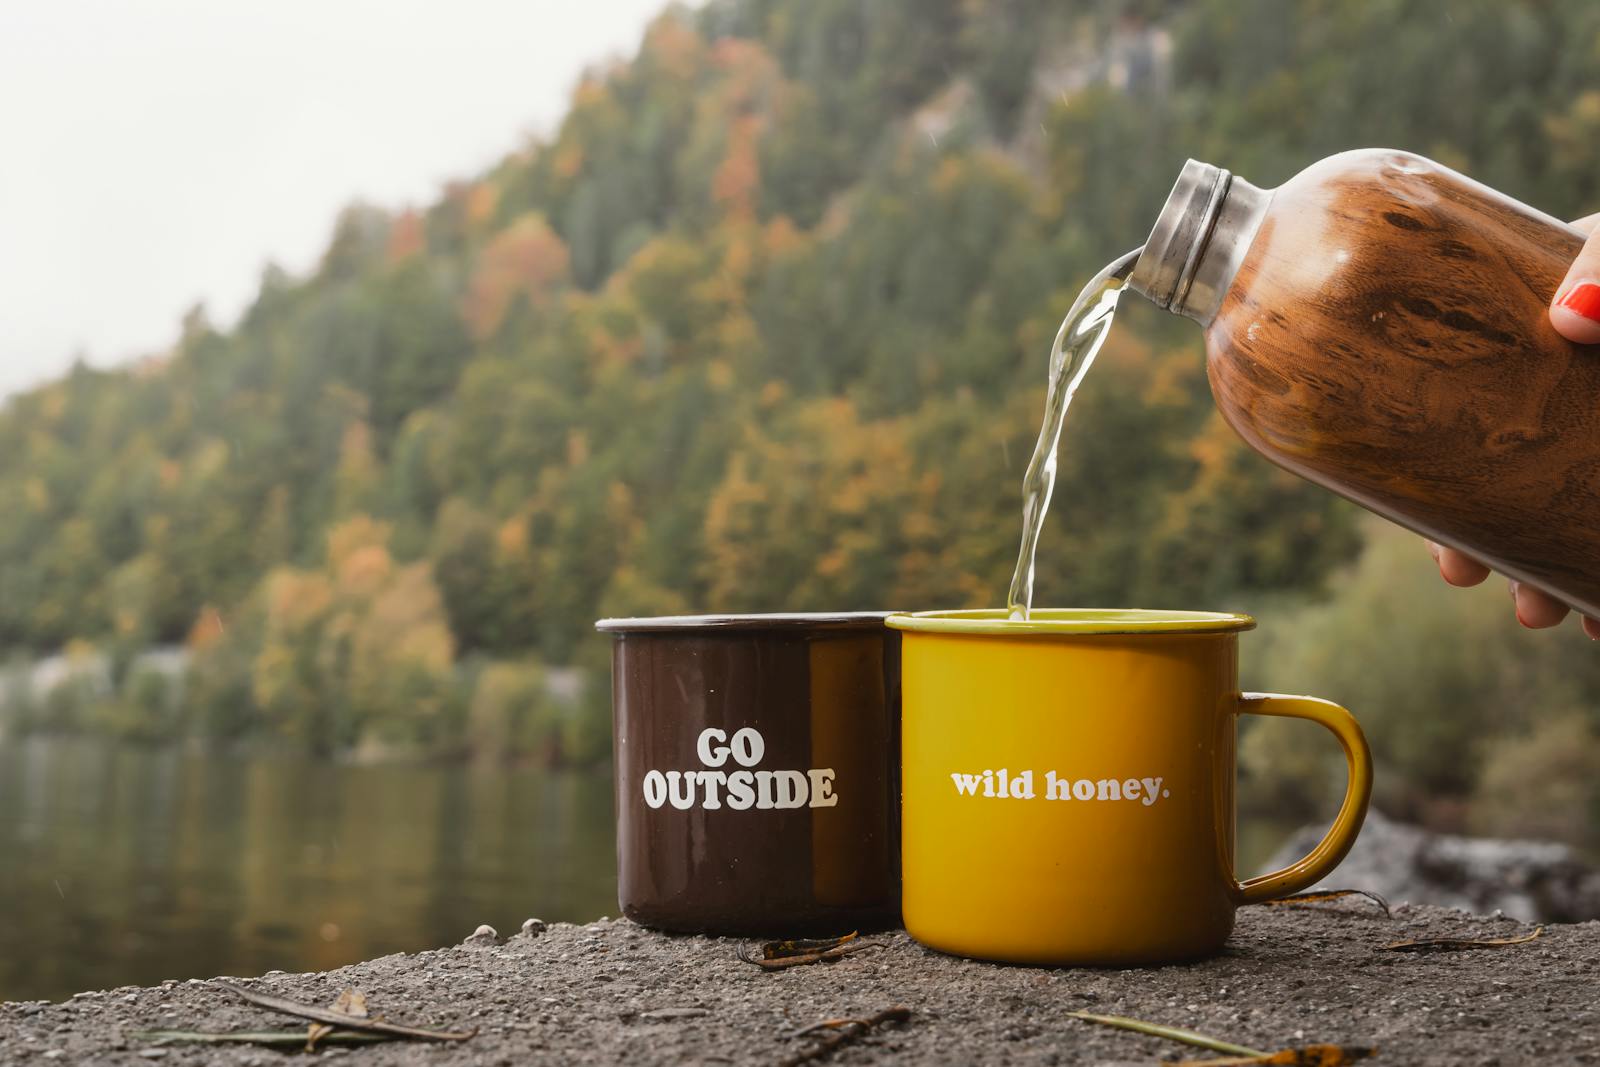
{"x":156,"y":153}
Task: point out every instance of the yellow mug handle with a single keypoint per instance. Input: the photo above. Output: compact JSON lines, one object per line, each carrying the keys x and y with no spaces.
{"x":1336,"y":842}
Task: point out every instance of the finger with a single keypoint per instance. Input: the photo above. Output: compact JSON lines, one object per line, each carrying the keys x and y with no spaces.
{"x":1592,"y":628}
{"x":1458,"y":568}
{"x":1536,"y":609}
{"x":1587,"y":223}
{"x":1575,"y":310}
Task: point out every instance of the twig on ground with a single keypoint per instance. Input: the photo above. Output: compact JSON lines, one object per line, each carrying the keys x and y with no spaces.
{"x":1455,"y":944}
{"x":257,"y":1037}
{"x":340,"y":1019}
{"x":1321,"y":895}
{"x":844,"y":1032}
{"x":780,"y":962}
{"x":1171,"y":1033}
{"x":1309,"y":1056}
{"x":1237,"y":1055}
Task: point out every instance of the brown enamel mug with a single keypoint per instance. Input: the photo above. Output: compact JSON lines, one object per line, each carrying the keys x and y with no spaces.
{"x":757,"y":772}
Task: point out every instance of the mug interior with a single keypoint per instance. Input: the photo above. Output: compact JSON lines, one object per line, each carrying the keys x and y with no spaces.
{"x":1075,"y":622}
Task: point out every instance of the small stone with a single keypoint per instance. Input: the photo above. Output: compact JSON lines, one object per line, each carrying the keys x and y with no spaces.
{"x":484,"y":933}
{"x":532,"y":927}
{"x":55,"y":1054}
{"x":129,"y":998}
{"x":33,"y":1009}
{"x":153,"y":1053}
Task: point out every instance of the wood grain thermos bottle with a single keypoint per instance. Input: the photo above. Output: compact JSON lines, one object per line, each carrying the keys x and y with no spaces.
{"x":1378,"y":325}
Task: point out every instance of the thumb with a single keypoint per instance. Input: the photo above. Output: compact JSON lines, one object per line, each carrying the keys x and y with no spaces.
{"x":1575,"y":311}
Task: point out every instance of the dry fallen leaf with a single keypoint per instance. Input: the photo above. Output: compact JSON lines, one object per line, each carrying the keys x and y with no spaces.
{"x":804,"y":946}
{"x":776,"y":955}
{"x":351,"y":1002}
{"x":1455,"y":944}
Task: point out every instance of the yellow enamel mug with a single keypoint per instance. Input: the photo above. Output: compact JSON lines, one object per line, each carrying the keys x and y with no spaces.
{"x":1068,"y":784}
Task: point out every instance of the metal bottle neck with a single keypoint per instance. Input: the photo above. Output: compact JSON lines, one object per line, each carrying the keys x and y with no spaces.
{"x":1199,"y":240}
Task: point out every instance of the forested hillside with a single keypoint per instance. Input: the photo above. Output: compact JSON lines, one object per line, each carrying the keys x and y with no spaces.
{"x":761,"y":326}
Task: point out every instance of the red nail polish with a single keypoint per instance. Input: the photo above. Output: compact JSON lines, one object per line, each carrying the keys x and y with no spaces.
{"x":1583,"y":298}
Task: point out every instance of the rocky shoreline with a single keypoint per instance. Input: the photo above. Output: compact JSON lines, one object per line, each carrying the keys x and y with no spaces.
{"x":1542,"y":881}
{"x":614,"y":992}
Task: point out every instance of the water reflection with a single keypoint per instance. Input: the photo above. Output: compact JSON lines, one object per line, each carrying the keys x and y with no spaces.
{"x":129,"y":865}
{"x":123,"y":866}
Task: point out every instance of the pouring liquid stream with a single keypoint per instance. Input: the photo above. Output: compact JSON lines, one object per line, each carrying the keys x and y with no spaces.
{"x":1082,"y":333}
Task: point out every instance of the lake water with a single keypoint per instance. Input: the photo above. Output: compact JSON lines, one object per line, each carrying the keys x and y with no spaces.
{"x":125,"y":865}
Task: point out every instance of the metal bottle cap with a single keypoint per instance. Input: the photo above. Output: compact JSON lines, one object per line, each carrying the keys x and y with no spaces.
{"x":1198,"y":241}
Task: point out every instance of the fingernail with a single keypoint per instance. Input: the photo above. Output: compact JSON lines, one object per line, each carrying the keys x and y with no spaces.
{"x":1584,"y":298}
{"x":1512,"y":585}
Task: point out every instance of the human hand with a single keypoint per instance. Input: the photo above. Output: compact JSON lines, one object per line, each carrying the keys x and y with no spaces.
{"x":1536,"y":609}
{"x":1575,"y":313}
{"x":1575,"y":309}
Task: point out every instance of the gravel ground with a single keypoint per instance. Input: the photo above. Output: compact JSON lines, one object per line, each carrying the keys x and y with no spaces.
{"x":612,"y":992}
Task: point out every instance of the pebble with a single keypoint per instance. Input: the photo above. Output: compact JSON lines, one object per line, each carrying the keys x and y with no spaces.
{"x":532,"y":927}
{"x":55,"y":1054}
{"x":484,"y":933}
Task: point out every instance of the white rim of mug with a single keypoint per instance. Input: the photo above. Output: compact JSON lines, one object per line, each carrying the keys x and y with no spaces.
{"x":792,"y":620}
{"x":1071,"y":622}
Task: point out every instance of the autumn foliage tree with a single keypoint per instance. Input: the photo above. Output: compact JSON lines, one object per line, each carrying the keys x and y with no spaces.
{"x":762,"y":324}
